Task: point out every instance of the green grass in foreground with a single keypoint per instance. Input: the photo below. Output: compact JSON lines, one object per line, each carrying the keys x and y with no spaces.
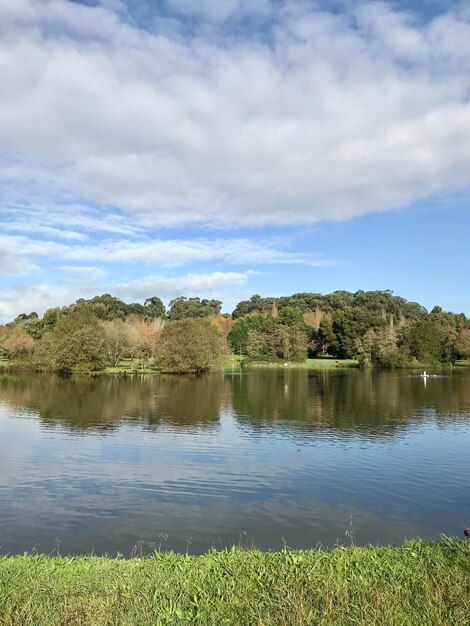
{"x":418,"y":583}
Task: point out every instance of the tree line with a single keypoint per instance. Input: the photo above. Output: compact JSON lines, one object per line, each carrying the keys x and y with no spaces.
{"x":375,"y":327}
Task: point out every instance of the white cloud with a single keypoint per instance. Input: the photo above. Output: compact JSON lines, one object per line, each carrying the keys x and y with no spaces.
{"x":334,"y":116}
{"x":86,"y":282}
{"x":27,"y":298}
{"x":82,"y":273}
{"x":18,"y":251}
{"x":50,"y":231}
{"x":189,"y":285}
{"x":219,"y":11}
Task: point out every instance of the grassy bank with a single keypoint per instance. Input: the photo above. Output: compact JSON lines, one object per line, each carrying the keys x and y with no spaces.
{"x":322,"y":363}
{"x":414,"y":584}
{"x":128,"y":366}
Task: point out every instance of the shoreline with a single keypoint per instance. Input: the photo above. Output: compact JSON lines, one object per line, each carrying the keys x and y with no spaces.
{"x":413,"y":583}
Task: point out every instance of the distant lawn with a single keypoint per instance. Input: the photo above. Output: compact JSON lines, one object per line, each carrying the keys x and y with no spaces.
{"x":130,"y":366}
{"x":322,"y":363}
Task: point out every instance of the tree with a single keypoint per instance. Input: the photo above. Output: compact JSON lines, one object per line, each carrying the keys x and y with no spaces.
{"x":238,"y":336}
{"x":326,"y":336}
{"x":155,"y":307}
{"x":142,"y":338}
{"x":291,"y":316}
{"x":76,"y":344}
{"x":421,"y":340}
{"x":19,"y":344}
{"x":378,"y":348}
{"x":182,"y":308}
{"x":191,"y":345}
{"x":222,"y":323}
{"x":116,"y":339}
{"x":277,"y":341}
{"x":463,"y":343}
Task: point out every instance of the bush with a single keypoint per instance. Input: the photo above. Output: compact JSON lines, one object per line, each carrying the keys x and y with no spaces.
{"x":191,"y":345}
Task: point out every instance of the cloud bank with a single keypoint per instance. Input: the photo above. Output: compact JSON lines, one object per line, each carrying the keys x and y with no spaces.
{"x":326,"y":117}
{"x":155,"y":147}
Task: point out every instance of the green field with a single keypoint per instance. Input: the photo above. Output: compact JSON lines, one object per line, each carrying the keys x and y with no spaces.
{"x":128,"y":366}
{"x":418,"y":583}
{"x":323,"y":363}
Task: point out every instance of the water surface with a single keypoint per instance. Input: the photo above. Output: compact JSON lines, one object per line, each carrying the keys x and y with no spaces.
{"x":263,"y":458}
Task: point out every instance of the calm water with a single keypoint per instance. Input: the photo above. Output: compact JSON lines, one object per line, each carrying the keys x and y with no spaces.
{"x":263,"y":458}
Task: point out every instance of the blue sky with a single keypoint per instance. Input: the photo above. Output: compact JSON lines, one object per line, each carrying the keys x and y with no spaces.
{"x":226,"y":148}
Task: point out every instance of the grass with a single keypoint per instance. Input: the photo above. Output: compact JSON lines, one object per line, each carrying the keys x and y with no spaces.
{"x":418,"y":583}
{"x":322,"y":363}
{"x":130,"y":366}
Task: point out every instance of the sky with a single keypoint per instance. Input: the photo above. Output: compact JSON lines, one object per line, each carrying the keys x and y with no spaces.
{"x":223,"y":148}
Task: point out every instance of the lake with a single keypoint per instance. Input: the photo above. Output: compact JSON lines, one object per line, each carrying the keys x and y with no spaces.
{"x":263,"y":457}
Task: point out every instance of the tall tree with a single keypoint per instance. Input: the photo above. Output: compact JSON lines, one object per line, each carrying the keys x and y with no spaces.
{"x":191,"y":345}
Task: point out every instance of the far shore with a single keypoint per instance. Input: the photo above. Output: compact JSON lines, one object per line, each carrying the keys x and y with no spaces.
{"x":128,"y":367}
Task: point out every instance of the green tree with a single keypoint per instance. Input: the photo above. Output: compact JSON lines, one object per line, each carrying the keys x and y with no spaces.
{"x":421,"y":340}
{"x":183,"y":308}
{"x":191,"y":345}
{"x":155,"y":308}
{"x":276,"y":341}
{"x":76,"y":344}
{"x":326,"y":338}
{"x":290,"y":316}
{"x":238,"y":335}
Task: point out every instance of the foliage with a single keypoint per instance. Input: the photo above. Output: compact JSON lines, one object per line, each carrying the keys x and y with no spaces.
{"x":107,"y":307}
{"x":155,"y":308}
{"x":76,"y":344}
{"x":117,"y":340}
{"x":18,"y":344}
{"x":422,"y":342}
{"x":377,"y":302}
{"x":223,"y":323}
{"x":378,"y":348}
{"x":291,"y":316}
{"x":191,"y":345}
{"x":326,"y":339}
{"x":238,"y":335}
{"x":415,"y":583}
{"x":182,"y":308}
{"x":381,"y":329}
{"x":276,"y":340}
{"x":142,"y":337}
{"x":463,"y":343}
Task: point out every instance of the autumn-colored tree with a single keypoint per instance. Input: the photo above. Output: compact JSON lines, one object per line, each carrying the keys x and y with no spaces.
{"x":314,"y":318}
{"x":143,"y":335}
{"x":19,"y":344}
{"x":223,"y":323}
{"x":463,"y":343}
